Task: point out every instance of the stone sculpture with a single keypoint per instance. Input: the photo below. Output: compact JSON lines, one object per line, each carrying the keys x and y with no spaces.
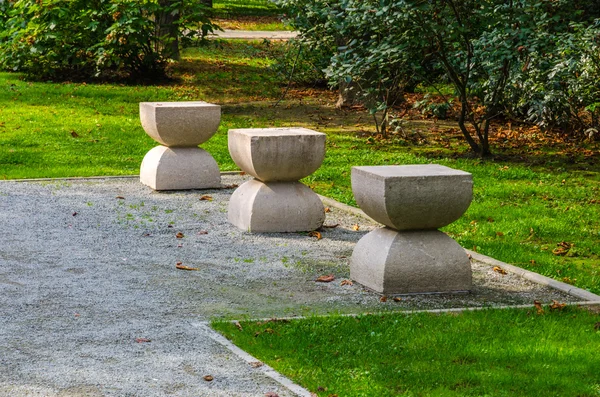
{"x":409,"y":255}
{"x":277,"y":158}
{"x":179,"y":164}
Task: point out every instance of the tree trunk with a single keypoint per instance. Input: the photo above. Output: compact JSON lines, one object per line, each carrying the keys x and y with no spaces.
{"x":168,"y":31}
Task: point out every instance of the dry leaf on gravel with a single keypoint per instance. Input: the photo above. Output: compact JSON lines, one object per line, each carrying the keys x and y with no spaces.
{"x":327,"y":209}
{"x":331,"y":226}
{"x":538,"y":307}
{"x":315,"y":234}
{"x":397,"y":299}
{"x":346,"y":282}
{"x":142,"y":340}
{"x":271,"y":394}
{"x":206,"y":197}
{"x":120,"y":198}
{"x":256,"y":364}
{"x":556,"y":305}
{"x":383,"y":299}
{"x":325,"y":279}
{"x":355,"y":227}
{"x":179,"y":235}
{"x":180,"y":266}
{"x":208,"y":378}
{"x":498,"y":269}
{"x":202,"y":232}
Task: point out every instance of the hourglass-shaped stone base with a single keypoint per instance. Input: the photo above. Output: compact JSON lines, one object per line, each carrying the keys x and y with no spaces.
{"x":275,"y":207}
{"x":410,"y":255}
{"x":166,"y":168}
{"x":392,"y":262}
{"x":180,"y":127}
{"x":275,"y":201}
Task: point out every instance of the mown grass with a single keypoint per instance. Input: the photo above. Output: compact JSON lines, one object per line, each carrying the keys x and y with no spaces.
{"x":537,"y":210}
{"x":480,"y":353}
{"x":231,"y":8}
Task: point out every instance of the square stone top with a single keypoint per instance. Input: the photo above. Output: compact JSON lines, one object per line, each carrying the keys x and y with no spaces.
{"x":412,"y":170}
{"x":183,"y":104}
{"x":412,"y":197}
{"x":277,"y":154}
{"x":180,"y":124}
{"x":282,"y":131}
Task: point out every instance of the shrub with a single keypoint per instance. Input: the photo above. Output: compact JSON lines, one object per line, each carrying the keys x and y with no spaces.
{"x":77,"y":39}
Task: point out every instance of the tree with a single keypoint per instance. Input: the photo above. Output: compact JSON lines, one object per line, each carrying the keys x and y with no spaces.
{"x":486,"y":49}
{"x":77,"y":39}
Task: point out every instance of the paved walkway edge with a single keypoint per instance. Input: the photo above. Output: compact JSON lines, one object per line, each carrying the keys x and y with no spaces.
{"x":526,"y":274}
{"x":536,"y":277}
{"x":267,"y":370}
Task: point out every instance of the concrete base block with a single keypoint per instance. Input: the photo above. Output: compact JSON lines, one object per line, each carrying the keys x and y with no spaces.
{"x":166,"y":168}
{"x":275,"y":207}
{"x":392,"y":262}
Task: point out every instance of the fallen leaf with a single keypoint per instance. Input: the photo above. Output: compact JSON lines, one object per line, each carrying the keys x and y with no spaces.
{"x":538,"y":306}
{"x":179,"y":235}
{"x":179,"y":245}
{"x":315,"y":234}
{"x":325,"y":279}
{"x":397,"y":299}
{"x":120,"y":197}
{"x":383,"y":299}
{"x":238,"y":325}
{"x":346,"y":282}
{"x":180,"y":266}
{"x":256,"y":364}
{"x":556,"y":305}
{"x":142,"y":340}
{"x":242,"y":173}
{"x":490,"y":219}
{"x":355,"y":227}
{"x":147,"y":235}
{"x":206,"y":197}
{"x":208,"y":378}
{"x":271,"y":394}
{"x":74,"y":134}
{"x":202,"y":232}
{"x":331,"y":226}
{"x":327,"y":209}
{"x":499,"y":234}
{"x":498,"y":269}
{"x":232,"y":186}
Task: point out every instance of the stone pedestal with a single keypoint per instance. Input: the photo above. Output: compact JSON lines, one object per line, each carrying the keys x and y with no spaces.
{"x":410,"y":255}
{"x":277,"y":158}
{"x":178,"y":164}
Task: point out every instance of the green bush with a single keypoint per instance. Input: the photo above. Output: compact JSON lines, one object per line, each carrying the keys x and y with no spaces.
{"x":78,"y":39}
{"x":534,"y":60}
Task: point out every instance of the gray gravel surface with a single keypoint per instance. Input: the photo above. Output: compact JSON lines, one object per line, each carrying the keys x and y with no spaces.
{"x":91,"y":303}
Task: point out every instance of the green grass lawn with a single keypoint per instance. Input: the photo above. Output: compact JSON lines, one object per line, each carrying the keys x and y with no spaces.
{"x":480,"y":353}
{"x":232,"y":8}
{"x":540,"y":211}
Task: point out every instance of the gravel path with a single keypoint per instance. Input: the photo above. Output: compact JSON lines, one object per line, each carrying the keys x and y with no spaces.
{"x":254,"y":35}
{"x":91,"y":303}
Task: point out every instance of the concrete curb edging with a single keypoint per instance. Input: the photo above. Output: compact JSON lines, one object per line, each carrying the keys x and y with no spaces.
{"x":536,"y":277}
{"x":526,"y":274}
{"x":267,"y":370}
